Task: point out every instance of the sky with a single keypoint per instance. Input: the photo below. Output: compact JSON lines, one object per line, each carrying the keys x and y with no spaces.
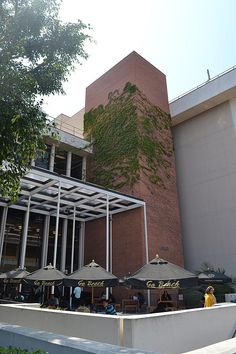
{"x":182,"y":38}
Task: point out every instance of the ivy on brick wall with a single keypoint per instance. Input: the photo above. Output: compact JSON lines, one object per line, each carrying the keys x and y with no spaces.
{"x":131,"y":136}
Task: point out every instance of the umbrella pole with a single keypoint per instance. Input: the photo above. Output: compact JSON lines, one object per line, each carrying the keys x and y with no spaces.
{"x":70,"y":297}
{"x":92,"y":294}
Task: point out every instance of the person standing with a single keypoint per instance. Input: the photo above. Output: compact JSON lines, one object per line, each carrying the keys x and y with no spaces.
{"x":210,"y":299}
{"x":77,"y":294}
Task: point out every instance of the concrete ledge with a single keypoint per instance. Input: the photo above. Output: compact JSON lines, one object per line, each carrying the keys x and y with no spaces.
{"x":172,"y":333}
{"x":226,"y":347}
{"x":28,"y":338}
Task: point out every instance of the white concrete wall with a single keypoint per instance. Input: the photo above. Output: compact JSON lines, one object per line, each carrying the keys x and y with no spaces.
{"x":26,"y":338}
{"x":172,"y":333}
{"x":205,"y":150}
{"x":73,"y":324}
{"x":225,"y":347}
{"x":181,"y":331}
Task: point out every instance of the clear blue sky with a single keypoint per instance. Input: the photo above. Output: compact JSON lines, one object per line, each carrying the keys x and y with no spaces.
{"x":182,"y":38}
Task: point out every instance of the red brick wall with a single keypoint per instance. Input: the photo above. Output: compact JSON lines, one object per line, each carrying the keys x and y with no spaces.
{"x":164,"y":234}
{"x":136,"y":70}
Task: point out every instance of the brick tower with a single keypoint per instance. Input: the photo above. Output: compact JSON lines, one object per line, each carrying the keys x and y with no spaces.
{"x":163,"y":223}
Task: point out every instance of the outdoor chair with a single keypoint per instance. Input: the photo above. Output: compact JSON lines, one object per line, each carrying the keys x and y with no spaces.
{"x":129,"y":306}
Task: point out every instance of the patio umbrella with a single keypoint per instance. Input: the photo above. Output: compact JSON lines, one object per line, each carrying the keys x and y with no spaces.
{"x":48,"y":276}
{"x":212,"y":277}
{"x":159,"y":274}
{"x":14,"y":276}
{"x":91,"y":275}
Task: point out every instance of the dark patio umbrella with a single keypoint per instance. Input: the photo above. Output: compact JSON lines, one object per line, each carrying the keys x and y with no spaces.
{"x":91,"y":275}
{"x":212,"y":277}
{"x":48,"y":276}
{"x":14,"y":276}
{"x":159,"y":274}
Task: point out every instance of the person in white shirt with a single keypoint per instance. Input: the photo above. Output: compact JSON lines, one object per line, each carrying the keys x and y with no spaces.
{"x":77,"y":294}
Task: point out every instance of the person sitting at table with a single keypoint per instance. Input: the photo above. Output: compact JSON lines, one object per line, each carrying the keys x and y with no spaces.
{"x":82,"y":307}
{"x":165,"y":296}
{"x":53,"y":302}
{"x":64,"y":303}
{"x":141,"y":300}
{"x":163,"y":303}
{"x":109,"y":308}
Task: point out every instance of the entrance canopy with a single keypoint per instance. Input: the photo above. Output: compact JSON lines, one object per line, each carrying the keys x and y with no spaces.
{"x":48,"y":192}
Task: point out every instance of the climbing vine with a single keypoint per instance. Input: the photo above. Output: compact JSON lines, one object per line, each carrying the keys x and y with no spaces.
{"x":130,"y":136}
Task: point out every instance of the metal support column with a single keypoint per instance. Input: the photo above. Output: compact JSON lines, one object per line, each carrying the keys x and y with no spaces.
{"x":24,"y":237}
{"x":52,"y":158}
{"x":81,"y":243}
{"x":64,"y":243}
{"x":57,"y":226}
{"x":107,"y":240}
{"x":146,"y":243}
{"x":45,"y":241}
{"x":72,"y":252}
{"x":145,"y":232}
{"x":2,"y":231}
{"x":73,"y":243}
{"x":110,"y":244}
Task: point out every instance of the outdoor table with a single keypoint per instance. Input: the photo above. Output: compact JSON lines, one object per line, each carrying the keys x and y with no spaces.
{"x":173,"y":303}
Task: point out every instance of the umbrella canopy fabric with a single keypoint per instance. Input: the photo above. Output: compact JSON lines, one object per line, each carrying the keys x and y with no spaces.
{"x":14,"y":276}
{"x":159,"y":274}
{"x":91,"y":275}
{"x":212,"y":277}
{"x":48,"y":276}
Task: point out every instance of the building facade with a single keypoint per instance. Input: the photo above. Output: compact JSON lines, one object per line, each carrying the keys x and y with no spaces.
{"x":120,"y":229}
{"x":204,"y":123}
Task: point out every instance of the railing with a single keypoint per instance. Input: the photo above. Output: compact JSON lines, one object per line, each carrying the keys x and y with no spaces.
{"x":203,"y":84}
{"x":68,"y":128}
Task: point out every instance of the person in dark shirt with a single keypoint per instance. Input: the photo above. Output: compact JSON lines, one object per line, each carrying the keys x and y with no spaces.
{"x":141,"y":300}
{"x":109,"y":308}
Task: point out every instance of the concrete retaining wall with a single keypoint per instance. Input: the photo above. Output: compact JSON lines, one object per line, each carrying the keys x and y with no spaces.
{"x":172,"y":333}
{"x":27,"y":338}
{"x":181,"y":331}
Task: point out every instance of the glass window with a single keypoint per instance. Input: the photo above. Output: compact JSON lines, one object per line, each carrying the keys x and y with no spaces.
{"x":60,"y":161}
{"x":76,"y":166}
{"x":42,"y":159}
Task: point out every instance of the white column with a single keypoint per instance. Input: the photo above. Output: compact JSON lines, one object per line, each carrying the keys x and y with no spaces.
{"x":107,"y":234}
{"x":73,"y":243}
{"x":57,"y":226}
{"x":145,"y":232}
{"x":63,"y":246}
{"x":45,"y":241}
{"x":2,"y":231}
{"x":81,"y":243}
{"x":72,"y":251}
{"x":84,"y":167}
{"x":52,"y":158}
{"x":107,"y":241}
{"x":68,"y":163}
{"x":146,"y":243}
{"x":24,"y":237}
{"x":110,"y":238}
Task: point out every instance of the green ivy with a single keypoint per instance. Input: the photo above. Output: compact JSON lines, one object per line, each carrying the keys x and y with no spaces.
{"x":131,"y":136}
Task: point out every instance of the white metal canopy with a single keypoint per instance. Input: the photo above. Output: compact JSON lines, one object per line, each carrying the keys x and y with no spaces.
{"x":48,"y":192}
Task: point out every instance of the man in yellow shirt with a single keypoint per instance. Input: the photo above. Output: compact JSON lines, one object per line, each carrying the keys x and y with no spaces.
{"x":210,"y":299}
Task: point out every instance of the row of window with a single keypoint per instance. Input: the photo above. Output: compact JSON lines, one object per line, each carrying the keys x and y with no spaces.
{"x":60,"y":162}
{"x":13,"y":240}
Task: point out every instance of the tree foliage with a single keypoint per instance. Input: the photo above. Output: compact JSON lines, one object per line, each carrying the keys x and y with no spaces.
{"x":37,"y":52}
